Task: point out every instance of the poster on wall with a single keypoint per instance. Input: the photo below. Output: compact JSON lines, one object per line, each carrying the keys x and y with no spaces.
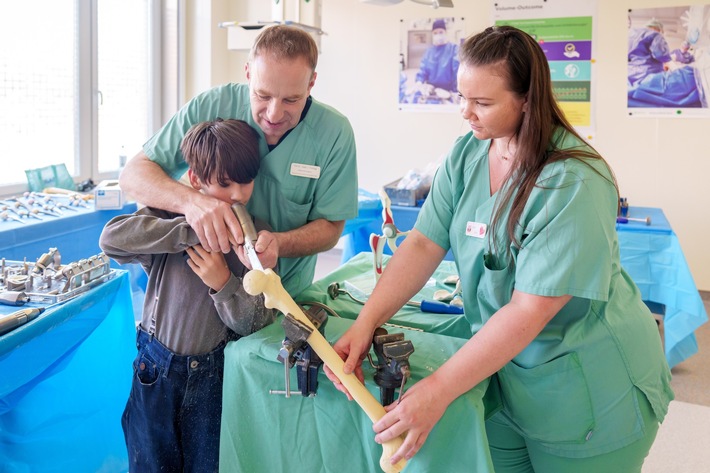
{"x":669,"y":61}
{"x":564,"y":30}
{"x":428,"y":62}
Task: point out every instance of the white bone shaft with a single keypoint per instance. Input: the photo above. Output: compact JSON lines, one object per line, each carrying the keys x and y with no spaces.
{"x":275,"y":296}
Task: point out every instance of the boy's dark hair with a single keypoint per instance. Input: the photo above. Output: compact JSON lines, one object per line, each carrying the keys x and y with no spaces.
{"x":222,"y":150}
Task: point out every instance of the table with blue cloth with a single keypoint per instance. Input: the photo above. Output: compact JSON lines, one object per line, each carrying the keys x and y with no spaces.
{"x":264,"y":432}
{"x":652,"y":256}
{"x":64,"y":381}
{"x":357,"y":231}
{"x":75,"y":234}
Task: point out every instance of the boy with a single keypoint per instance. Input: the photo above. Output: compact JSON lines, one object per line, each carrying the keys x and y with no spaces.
{"x":195,"y":303}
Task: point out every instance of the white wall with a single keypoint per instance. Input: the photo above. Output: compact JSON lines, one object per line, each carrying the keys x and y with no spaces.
{"x":208,"y":62}
{"x":658,"y":162}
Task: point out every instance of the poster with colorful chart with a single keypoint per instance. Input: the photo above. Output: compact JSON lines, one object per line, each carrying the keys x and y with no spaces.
{"x":567,"y":43}
{"x":565,"y":31}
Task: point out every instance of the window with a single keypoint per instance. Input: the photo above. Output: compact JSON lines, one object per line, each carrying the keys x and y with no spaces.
{"x":78,"y":82}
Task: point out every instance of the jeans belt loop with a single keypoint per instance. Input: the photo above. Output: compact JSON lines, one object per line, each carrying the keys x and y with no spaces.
{"x":168,"y":362}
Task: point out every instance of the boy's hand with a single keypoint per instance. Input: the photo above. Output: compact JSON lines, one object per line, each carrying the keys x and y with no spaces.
{"x":267,"y":249}
{"x":210,"y":267}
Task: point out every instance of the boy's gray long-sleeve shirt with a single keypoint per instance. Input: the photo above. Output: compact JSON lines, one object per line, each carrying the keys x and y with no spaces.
{"x":189,"y":317}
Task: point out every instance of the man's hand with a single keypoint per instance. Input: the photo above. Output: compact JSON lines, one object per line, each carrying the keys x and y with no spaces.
{"x":214,"y":222}
{"x":211,"y":267}
{"x":267,"y":249}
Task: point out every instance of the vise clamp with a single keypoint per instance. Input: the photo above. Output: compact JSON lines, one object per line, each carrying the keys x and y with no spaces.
{"x":295,"y":351}
{"x":393,"y":369}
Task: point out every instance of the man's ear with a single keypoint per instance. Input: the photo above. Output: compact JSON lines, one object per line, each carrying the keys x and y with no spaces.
{"x":194,"y":180}
{"x":246,"y":69}
{"x":312,"y":82}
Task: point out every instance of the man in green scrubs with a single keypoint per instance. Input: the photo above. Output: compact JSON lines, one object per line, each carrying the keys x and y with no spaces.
{"x":307,"y":184}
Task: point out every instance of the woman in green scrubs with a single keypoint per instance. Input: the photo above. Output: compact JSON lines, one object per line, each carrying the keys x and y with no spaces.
{"x":578,"y":379}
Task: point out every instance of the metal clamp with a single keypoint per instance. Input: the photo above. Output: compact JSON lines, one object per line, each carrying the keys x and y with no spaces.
{"x":295,"y":351}
{"x":392,"y":365}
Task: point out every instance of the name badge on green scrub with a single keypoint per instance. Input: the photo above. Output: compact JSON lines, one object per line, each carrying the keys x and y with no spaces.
{"x":305,"y":170}
{"x":476,"y":230}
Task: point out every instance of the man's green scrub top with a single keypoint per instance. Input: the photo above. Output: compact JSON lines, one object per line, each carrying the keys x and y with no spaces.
{"x":311,"y":174}
{"x":572,"y":388}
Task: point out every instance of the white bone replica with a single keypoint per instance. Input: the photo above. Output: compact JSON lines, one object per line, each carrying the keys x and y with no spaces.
{"x":275,"y":297}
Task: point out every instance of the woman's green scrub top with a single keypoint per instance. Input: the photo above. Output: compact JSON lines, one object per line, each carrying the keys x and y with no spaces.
{"x":311,"y":174}
{"x":572,"y":388}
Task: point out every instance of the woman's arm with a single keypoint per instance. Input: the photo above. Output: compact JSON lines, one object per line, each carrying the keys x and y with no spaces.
{"x":506,"y":334}
{"x":405,"y":274}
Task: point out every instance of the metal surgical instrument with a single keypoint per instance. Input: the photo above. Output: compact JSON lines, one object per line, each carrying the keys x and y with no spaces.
{"x":334,"y":289}
{"x":249,"y":232}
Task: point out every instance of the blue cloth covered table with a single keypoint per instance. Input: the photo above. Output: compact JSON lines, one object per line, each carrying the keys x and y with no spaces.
{"x":75,"y":234}
{"x":357,"y":231}
{"x":652,"y":256}
{"x":64,"y":381}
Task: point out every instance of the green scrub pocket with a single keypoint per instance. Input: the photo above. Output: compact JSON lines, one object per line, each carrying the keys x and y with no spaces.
{"x":492,"y":399}
{"x":550,"y":402}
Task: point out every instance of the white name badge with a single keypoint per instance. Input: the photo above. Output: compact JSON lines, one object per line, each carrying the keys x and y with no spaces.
{"x":305,"y":170}
{"x":476,"y":230}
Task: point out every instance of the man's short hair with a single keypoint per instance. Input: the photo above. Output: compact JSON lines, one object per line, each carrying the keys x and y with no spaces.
{"x":222,"y":150}
{"x":285,"y":42}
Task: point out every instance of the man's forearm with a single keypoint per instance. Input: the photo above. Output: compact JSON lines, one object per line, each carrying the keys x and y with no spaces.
{"x":147,"y":183}
{"x":314,"y":237}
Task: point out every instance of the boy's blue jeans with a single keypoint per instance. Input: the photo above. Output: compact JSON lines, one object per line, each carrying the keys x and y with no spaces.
{"x":172,"y":418}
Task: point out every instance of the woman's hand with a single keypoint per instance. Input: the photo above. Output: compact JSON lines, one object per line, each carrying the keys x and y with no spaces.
{"x":352,"y":347}
{"x":414,"y":415}
{"x":211,"y":267}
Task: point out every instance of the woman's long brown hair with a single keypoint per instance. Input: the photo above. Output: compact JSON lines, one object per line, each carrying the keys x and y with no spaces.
{"x":523,"y":63}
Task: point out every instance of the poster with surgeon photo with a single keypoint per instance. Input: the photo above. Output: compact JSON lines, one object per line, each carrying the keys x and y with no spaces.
{"x":669,"y":61}
{"x":428,"y":62}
